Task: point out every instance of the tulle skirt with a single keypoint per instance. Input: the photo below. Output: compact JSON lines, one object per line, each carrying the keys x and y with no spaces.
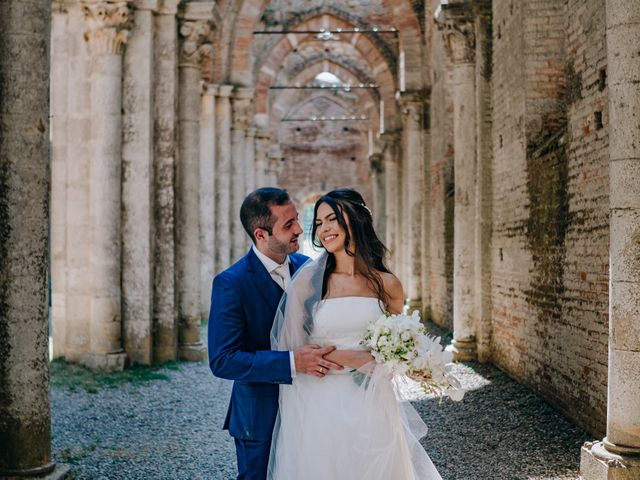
{"x":347,"y":427}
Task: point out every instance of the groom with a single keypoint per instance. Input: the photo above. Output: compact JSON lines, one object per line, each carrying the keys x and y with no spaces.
{"x":244,"y":300}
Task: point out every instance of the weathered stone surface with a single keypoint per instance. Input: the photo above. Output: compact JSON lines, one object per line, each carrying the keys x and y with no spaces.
{"x":223,"y":177}
{"x":164,"y":162}
{"x":137,"y":189}
{"x":25,"y":177}
{"x":107,"y":31}
{"x":207,"y":179}
{"x":193,"y":49}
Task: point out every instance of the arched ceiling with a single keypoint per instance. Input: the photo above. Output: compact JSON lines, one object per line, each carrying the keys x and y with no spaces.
{"x":239,"y":46}
{"x":295,"y":59}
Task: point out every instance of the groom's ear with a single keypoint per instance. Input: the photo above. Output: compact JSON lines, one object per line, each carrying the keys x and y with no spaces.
{"x":260,"y":234}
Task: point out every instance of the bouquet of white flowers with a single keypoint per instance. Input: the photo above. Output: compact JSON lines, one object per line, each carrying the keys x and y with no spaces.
{"x":400,"y":341}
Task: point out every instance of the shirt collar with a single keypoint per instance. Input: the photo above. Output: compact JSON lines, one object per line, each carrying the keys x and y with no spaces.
{"x":268,"y":263}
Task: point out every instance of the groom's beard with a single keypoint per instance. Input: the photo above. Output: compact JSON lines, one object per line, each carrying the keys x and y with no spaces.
{"x":283,"y":248}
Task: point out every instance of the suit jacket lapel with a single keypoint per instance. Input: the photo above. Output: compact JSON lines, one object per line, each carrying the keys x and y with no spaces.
{"x":262,"y":281}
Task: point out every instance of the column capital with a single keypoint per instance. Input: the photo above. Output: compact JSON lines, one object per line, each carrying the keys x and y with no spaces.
{"x":196,"y":42}
{"x":376,"y":162}
{"x":168,"y":7}
{"x":389,"y":137}
{"x":225,"y":90}
{"x":390,"y":143}
{"x":108,"y":24}
{"x":457,"y":23}
{"x":209,"y":89}
{"x":412,"y":109}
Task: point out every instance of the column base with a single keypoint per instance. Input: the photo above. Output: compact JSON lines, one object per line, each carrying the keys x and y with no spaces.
{"x":107,"y":362}
{"x":464,"y":350}
{"x":598,"y":463}
{"x":59,"y":472}
{"x":192,"y":352}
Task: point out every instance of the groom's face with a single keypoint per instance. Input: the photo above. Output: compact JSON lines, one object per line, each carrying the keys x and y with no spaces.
{"x":286,"y":230}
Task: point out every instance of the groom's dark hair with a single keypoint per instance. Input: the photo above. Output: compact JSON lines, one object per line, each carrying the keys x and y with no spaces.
{"x":255,"y":211}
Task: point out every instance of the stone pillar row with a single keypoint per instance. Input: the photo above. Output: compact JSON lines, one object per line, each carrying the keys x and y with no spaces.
{"x":150,"y":167}
{"x":142,"y":165}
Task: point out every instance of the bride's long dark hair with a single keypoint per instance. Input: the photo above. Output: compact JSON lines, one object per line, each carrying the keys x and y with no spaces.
{"x":369,"y":251}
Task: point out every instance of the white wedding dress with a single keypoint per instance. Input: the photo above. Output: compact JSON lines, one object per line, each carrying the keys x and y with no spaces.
{"x":333,"y":428}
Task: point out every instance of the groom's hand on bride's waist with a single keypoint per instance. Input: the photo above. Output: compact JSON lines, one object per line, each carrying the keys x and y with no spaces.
{"x":309,"y":359}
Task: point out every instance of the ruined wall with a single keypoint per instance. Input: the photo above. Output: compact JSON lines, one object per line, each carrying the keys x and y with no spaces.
{"x":584,"y":322}
{"x":550,"y":244}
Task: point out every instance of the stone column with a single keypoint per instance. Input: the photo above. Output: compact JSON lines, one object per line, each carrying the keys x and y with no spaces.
{"x":223,"y":177}
{"x":618,"y":455}
{"x":59,"y":80}
{"x":77,"y":228}
{"x":106,"y":34}
{"x":195,"y":30}
{"x":425,"y":211}
{"x":164,"y":160}
{"x":458,"y":30}
{"x":137,"y":182}
{"x":263,"y":139}
{"x":484,"y":179}
{"x":412,"y":104}
{"x":391,"y":154}
{"x":25,"y":418}
{"x":207,"y":194}
{"x":250,"y":157}
{"x":376,"y":169}
{"x":242,"y":98}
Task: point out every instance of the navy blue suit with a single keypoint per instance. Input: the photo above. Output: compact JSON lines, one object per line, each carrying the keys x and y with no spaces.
{"x":244,"y":300}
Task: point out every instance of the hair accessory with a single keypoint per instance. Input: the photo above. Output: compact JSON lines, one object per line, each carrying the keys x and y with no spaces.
{"x":367,"y":209}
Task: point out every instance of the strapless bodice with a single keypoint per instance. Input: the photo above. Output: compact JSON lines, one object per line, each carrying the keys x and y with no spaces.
{"x":343,"y":321}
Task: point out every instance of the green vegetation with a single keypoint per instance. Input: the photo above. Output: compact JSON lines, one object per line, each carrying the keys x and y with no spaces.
{"x":73,"y":377}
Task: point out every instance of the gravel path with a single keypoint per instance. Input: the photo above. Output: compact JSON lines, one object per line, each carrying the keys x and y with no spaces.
{"x":171,"y":429}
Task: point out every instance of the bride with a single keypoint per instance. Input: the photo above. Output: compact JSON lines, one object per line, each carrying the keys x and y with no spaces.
{"x":349,"y":424}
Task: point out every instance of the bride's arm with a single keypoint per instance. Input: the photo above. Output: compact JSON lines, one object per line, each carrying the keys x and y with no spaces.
{"x":350,"y":358}
{"x":358,"y":358}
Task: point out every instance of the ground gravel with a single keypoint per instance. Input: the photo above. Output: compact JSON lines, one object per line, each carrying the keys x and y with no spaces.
{"x":171,"y":429}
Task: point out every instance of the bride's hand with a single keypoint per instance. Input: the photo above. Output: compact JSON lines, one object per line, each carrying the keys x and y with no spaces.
{"x":350,"y":358}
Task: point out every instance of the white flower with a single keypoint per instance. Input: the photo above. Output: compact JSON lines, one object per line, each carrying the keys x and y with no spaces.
{"x":401,"y":344}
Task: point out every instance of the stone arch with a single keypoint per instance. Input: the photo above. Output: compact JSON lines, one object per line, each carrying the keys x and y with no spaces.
{"x":368,"y":99}
{"x":403,"y":16}
{"x":379,"y":68}
{"x":334,"y":18}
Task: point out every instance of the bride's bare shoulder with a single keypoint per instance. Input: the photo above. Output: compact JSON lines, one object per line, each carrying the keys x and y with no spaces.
{"x":392,"y":286}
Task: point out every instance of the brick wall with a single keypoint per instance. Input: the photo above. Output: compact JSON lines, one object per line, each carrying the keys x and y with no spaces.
{"x":550,"y":219}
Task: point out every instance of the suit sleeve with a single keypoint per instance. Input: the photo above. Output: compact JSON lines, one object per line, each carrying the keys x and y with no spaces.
{"x":227,"y":359}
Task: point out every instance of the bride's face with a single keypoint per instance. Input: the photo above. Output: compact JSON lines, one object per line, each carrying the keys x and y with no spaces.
{"x":328,"y":230}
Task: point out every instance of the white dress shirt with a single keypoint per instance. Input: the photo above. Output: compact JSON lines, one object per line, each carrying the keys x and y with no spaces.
{"x":280,"y":274}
